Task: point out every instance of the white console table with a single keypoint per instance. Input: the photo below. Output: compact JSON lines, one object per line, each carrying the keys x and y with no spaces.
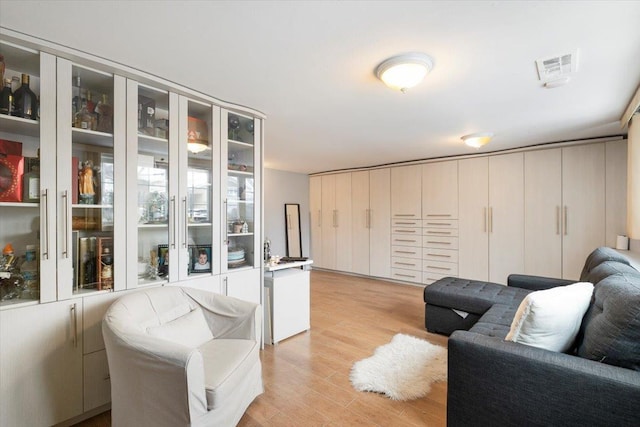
{"x":287,"y":309}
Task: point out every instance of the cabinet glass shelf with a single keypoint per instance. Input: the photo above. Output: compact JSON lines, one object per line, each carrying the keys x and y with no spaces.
{"x":19,"y":204}
{"x":18,"y":125}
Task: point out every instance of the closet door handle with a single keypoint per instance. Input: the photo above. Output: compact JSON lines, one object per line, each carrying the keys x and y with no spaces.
{"x":484,"y":210}
{"x":186,"y":221}
{"x":172,"y":219}
{"x":490,"y":220}
{"x":74,"y":324}
{"x":565,"y":220}
{"x":65,"y":197}
{"x":45,"y":201}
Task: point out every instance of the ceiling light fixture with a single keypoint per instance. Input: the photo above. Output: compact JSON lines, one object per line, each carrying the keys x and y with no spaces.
{"x":404,"y":71}
{"x":478,"y":139}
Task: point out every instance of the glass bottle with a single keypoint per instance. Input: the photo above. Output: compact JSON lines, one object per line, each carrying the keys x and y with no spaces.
{"x":106,"y":271}
{"x":76,"y":99}
{"x":83,"y":118}
{"x":25,"y":101}
{"x":6,"y":98}
{"x":29,"y":271}
{"x":105,"y":115}
{"x":31,"y":186}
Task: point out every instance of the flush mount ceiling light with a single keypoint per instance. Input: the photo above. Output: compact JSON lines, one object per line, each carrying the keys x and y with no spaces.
{"x":404,"y":71}
{"x":478,"y":139}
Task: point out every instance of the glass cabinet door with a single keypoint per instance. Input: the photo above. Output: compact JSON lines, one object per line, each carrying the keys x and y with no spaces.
{"x":149,"y":216}
{"x":27,"y":186}
{"x":198,"y":182}
{"x":91,"y":180}
{"x":240,"y":135}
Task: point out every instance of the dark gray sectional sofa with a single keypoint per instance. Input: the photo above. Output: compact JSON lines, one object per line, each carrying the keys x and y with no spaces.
{"x":493,"y":382}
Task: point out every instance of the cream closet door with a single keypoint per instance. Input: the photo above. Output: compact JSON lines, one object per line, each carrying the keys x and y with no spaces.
{"x":380,"y":223}
{"x":506,"y":216}
{"x":406,"y":192}
{"x":315,"y":208}
{"x":473,"y":187}
{"x":583,"y":215}
{"x":329,"y":218}
{"x":360,"y":222}
{"x":440,"y":190}
{"x":344,"y":239}
{"x":616,"y":190}
{"x":543,"y":204}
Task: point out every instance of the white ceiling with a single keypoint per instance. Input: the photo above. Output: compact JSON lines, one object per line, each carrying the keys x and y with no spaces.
{"x":308,"y":65}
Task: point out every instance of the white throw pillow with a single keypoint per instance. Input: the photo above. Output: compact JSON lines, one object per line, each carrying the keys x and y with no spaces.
{"x":190,"y":330}
{"x":551,"y":319}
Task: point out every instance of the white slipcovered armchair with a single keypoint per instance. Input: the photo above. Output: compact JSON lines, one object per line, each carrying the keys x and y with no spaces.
{"x":182,"y":357}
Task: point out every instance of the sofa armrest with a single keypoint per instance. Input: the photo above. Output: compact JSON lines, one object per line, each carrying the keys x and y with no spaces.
{"x":493,"y":382}
{"x":139,"y":365}
{"x":536,"y":283}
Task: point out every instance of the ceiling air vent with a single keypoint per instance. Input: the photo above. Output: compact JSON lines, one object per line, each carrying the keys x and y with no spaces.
{"x":554,"y":67}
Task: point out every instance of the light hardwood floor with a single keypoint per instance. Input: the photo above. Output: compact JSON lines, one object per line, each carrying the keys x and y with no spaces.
{"x":306,"y":377}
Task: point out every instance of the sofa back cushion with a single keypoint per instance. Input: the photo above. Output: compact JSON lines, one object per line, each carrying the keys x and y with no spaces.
{"x":610,"y":330}
{"x":598,"y":256}
{"x":608,"y":268}
{"x":190,"y":330}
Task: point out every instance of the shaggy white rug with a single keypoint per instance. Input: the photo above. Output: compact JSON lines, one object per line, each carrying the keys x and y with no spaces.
{"x":402,"y":370}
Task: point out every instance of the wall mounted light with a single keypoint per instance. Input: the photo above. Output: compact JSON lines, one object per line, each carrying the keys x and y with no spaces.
{"x":404,"y":71}
{"x":478,"y":139}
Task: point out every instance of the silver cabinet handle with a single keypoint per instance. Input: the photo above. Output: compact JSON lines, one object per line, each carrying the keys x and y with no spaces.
{"x":74,"y":324}
{"x":405,"y":223}
{"x":438,"y":268}
{"x":438,"y":214}
{"x":405,"y":231}
{"x":173,"y":215}
{"x":440,"y":255}
{"x":225,"y":240}
{"x":484,"y":210}
{"x":438,"y":223}
{"x":405,"y":275}
{"x":45,"y":200}
{"x":186,"y":222}
{"x":565,"y":220}
{"x":439,"y":243}
{"x":490,"y":220}
{"x":438,"y":232}
{"x":65,"y":197}
{"x":405,"y":252}
{"x":404,"y":215}
{"x":405,"y":240}
{"x":404,"y":263}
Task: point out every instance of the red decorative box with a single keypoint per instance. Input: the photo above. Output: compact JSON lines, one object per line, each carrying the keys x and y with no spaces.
{"x":10,"y":147}
{"x":11,"y":171}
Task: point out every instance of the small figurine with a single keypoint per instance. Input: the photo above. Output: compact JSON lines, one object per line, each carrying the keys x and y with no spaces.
{"x":87,"y":182}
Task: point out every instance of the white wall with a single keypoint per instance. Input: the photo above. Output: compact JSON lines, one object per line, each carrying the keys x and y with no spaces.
{"x":282,"y":187}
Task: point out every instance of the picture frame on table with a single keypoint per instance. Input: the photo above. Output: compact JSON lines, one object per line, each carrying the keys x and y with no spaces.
{"x":163,"y":260}
{"x":200,"y":258}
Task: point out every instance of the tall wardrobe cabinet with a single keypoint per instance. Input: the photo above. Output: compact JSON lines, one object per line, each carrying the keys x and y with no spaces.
{"x":130,"y":181}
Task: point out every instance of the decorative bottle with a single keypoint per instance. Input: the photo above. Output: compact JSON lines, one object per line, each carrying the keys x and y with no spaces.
{"x":83,"y":118}
{"x":6,"y":98}
{"x":106,"y":269}
{"x":104,"y":112}
{"x":76,"y":99}
{"x":29,"y":271}
{"x":25,"y":101}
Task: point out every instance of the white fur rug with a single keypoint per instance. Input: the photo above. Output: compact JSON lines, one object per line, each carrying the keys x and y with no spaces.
{"x":404,"y":369}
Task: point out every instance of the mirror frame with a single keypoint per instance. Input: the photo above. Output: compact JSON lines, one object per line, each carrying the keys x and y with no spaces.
{"x":287,"y":228}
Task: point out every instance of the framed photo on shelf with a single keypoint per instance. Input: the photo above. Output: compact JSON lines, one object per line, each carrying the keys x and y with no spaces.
{"x":163,"y":260}
{"x":200,"y":258}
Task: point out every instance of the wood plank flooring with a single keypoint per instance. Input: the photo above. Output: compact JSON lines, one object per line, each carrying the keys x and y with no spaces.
{"x":306,"y":377}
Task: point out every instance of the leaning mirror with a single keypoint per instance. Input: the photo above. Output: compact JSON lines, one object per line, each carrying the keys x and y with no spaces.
{"x":292,"y":229}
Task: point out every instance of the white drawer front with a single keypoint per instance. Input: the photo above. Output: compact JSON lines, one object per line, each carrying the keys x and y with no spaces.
{"x":399,"y":222}
{"x":446,"y":232}
{"x":439,"y":267}
{"x":406,"y":275}
{"x":442,"y":242}
{"x":406,"y":263}
{"x":406,"y":252}
{"x":436,"y":254}
{"x":405,"y":240}
{"x":440,"y":223}
{"x":97,"y":384}
{"x":429,"y":277}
